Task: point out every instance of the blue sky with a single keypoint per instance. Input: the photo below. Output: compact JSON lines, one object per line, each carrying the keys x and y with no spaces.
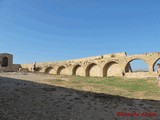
{"x":52,"y":30}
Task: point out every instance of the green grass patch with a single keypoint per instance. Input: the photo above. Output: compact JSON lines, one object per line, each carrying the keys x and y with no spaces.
{"x":135,"y":88}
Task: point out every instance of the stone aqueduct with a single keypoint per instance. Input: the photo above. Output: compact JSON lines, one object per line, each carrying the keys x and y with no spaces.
{"x":117,"y":64}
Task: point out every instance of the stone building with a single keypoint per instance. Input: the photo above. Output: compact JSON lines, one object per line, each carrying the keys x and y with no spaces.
{"x":6,"y":63}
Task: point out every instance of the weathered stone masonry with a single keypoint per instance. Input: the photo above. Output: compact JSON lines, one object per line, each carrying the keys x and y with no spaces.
{"x":117,"y":64}
{"x":6,"y":63}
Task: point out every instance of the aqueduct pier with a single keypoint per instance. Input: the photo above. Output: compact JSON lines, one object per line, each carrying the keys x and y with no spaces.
{"x":117,"y":64}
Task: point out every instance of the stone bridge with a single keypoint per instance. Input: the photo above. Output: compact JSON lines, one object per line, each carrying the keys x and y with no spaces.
{"x":117,"y":64}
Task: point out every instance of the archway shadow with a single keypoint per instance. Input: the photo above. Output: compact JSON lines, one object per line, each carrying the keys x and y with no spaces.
{"x":27,"y":100}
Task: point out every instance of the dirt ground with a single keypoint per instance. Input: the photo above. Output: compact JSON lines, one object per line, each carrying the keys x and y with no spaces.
{"x":27,"y":96}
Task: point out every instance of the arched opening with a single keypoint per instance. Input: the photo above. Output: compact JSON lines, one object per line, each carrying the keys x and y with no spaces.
{"x":136,"y":65}
{"x":75,"y":70}
{"x":4,"y":62}
{"x":61,"y":70}
{"x":155,"y":67}
{"x":48,"y":69}
{"x":36,"y":69}
{"x":112,"y":69}
{"x":92,"y":70}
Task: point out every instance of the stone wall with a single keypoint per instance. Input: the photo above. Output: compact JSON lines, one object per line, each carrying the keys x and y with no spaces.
{"x":116,"y":64}
{"x":6,"y":63}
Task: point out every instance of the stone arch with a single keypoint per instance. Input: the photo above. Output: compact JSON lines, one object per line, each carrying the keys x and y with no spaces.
{"x":48,"y":69}
{"x":37,"y":69}
{"x":59,"y":70}
{"x":112,"y":68}
{"x":128,"y":67}
{"x":4,"y":62}
{"x":92,"y":70}
{"x":75,"y":68}
{"x":154,"y":64}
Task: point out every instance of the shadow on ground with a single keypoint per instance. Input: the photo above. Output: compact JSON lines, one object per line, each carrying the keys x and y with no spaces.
{"x":26,"y":100}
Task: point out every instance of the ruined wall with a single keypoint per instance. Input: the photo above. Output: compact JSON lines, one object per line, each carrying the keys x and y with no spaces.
{"x":6,"y":63}
{"x":117,"y":64}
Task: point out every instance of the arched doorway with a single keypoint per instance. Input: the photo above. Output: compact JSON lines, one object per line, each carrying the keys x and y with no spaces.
{"x":4,"y":62}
